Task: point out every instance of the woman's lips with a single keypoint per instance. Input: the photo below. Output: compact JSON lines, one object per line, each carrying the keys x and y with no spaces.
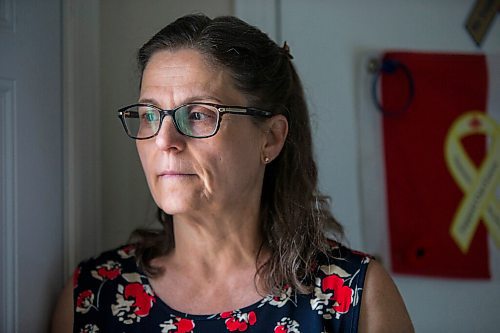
{"x":174,"y":174}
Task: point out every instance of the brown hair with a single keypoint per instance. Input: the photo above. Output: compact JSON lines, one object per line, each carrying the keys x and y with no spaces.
{"x":294,"y":215}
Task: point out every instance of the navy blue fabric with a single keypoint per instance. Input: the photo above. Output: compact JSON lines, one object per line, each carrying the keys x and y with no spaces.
{"x":111,"y":294}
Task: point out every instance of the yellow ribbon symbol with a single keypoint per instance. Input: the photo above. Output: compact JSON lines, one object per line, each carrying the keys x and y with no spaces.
{"x":478,"y":184}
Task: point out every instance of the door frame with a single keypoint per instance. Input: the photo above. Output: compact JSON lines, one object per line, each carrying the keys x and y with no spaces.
{"x":82,"y":141}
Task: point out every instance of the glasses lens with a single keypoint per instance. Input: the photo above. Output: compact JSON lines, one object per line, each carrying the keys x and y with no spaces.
{"x":142,"y":121}
{"x":197,"y":120}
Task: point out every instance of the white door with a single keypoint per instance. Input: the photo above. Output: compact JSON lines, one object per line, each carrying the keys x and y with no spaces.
{"x":31,"y":168}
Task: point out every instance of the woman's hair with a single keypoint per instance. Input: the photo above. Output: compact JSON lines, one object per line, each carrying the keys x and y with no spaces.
{"x":294,"y":215}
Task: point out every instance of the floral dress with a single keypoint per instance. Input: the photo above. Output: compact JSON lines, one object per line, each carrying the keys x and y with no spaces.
{"x":111,"y":294}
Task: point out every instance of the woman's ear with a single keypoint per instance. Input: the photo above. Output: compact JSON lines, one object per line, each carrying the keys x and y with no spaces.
{"x":276,"y":130}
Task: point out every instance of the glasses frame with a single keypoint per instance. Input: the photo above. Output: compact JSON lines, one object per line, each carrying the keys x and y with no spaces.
{"x":221,"y":110}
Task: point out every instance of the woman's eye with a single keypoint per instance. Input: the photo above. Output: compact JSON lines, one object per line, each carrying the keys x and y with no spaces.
{"x":197,"y":116}
{"x":149,"y":116}
{"x":201,"y":114}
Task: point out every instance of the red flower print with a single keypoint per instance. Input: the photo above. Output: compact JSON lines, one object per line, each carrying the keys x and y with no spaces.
{"x":143,"y":301}
{"x":331,"y":297}
{"x":226,"y":314}
{"x":177,"y":325}
{"x":342,"y":295}
{"x":252,"y":318}
{"x":280,"y":329}
{"x":184,"y":325}
{"x":76,"y":276}
{"x":108,"y":271}
{"x":238,"y":321}
{"x":287,"y":325}
{"x":133,"y":302}
{"x":233,"y":324}
{"x":281,"y":299}
{"x":109,"y":274}
{"x":127,"y":251}
{"x":84,"y":301}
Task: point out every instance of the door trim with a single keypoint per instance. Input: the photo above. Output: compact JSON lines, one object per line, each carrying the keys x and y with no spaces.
{"x":8,"y":207}
{"x":82,"y":174}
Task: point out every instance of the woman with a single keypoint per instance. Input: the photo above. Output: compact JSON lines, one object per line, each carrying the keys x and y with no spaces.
{"x":223,"y":134}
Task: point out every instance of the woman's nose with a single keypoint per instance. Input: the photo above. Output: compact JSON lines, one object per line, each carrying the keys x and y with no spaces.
{"x":168,"y":137}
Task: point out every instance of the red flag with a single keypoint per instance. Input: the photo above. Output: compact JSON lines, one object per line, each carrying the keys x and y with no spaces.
{"x":422,"y":195}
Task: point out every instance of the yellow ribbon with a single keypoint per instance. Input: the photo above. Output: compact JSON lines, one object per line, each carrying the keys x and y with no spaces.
{"x":478,"y":184}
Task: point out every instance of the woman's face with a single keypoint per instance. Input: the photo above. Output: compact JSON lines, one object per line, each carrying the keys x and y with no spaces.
{"x":192,"y":176}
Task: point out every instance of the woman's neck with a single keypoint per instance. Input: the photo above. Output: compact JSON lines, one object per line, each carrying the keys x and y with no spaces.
{"x":217,"y":243}
{"x":219,"y":256}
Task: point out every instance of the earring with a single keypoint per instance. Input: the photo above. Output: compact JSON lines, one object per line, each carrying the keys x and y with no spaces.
{"x":266,"y":159}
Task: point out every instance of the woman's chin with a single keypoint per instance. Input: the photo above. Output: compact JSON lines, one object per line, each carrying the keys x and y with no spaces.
{"x":178,"y":206}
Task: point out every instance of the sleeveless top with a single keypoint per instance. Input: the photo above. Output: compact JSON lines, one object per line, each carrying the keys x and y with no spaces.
{"x":111,"y":294}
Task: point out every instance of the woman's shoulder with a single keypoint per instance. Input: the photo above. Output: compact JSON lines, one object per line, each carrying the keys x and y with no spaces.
{"x":338,"y":284}
{"x":121,"y":255}
{"x":102,"y":286}
{"x":338,"y":256}
{"x":107,"y":266}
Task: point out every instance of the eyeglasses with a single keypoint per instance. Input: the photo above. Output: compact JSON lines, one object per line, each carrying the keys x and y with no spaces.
{"x":195,"y":120}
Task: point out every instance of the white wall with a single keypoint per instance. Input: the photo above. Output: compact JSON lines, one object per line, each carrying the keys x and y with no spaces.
{"x":327,"y":39}
{"x":125,"y":26}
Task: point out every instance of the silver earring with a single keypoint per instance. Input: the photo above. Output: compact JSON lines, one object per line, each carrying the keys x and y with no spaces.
{"x":266,"y":159}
